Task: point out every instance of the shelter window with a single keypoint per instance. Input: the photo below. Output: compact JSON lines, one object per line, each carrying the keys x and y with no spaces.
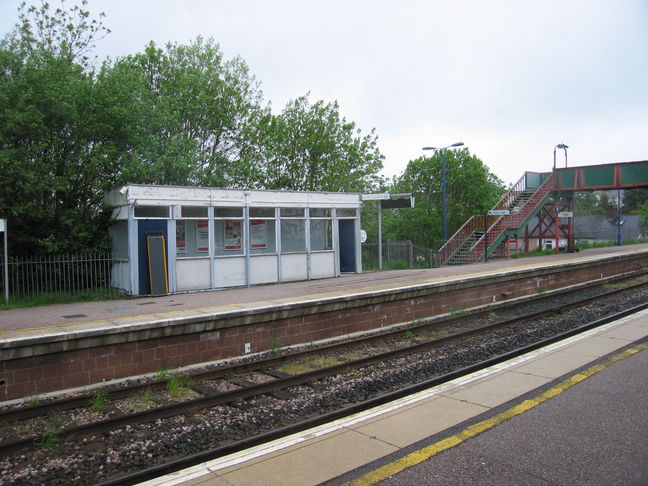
{"x":192,"y":237}
{"x":157,"y":212}
{"x":193,"y":212}
{"x":346,"y":213}
{"x":228,"y":231}
{"x":228,"y":212}
{"x":293,"y":230}
{"x":321,"y":229}
{"x":262,"y":231}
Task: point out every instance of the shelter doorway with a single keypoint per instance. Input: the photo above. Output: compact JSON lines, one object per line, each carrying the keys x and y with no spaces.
{"x":346,"y":228}
{"x":146,"y":227}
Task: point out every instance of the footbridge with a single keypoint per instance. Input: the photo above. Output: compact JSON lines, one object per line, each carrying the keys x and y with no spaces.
{"x":537,"y":207}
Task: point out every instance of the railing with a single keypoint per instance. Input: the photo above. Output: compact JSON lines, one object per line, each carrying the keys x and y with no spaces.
{"x":512,"y":221}
{"x":513,"y":193}
{"x":476,"y":223}
{"x":496,"y":224}
{"x":59,"y":274}
{"x":398,"y":255}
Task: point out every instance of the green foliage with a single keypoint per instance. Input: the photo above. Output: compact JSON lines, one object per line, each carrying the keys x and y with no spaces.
{"x":99,"y":400}
{"x":178,"y":385}
{"x":53,"y":434}
{"x":395,"y":265}
{"x":276,"y":346}
{"x":588,"y":203}
{"x":634,"y":199}
{"x":310,"y":147}
{"x":50,"y":298}
{"x":32,"y":400}
{"x":53,"y":155}
{"x":643,"y":219}
{"x":63,"y":33}
{"x":193,"y":110}
{"x":162,"y":374}
{"x":470,"y":187}
{"x":144,"y":400}
{"x":182,"y":114}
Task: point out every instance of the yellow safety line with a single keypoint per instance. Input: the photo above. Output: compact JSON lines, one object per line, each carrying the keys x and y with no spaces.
{"x":359,"y":289}
{"x":421,"y":455}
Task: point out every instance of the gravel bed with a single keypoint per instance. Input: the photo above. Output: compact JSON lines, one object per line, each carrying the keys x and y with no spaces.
{"x":88,"y":460}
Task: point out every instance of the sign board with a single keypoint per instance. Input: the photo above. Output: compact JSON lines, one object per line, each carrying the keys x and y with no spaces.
{"x":499,"y":212}
{"x":566,"y":214}
{"x":405,"y":202}
{"x":374,"y":197}
{"x":3,"y":225}
{"x":363,"y":236}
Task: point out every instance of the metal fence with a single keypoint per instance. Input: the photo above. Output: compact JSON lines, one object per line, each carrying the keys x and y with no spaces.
{"x":398,"y":255}
{"x":59,"y":274}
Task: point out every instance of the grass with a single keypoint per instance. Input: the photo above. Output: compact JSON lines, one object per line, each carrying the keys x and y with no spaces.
{"x":32,"y":400}
{"x":53,"y":435}
{"x":395,"y":265}
{"x":276,"y":346}
{"x":458,"y":312}
{"x":162,"y":374}
{"x":144,"y":400}
{"x":178,"y":385}
{"x":309,"y":364}
{"x":54,"y":298}
{"x":99,"y":401}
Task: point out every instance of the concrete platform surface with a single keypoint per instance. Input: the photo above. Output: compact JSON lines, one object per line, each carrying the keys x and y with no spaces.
{"x":571,"y":413}
{"x":88,"y":315}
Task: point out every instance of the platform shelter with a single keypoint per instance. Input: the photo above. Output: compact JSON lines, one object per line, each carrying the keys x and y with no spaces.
{"x":168,"y":239}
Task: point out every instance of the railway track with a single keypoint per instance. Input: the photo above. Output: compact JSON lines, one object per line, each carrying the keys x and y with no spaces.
{"x":255,"y":380}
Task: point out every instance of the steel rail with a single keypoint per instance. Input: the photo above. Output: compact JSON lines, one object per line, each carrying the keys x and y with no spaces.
{"x":221,"y":451}
{"x":11,"y":415}
{"x":166,"y":411}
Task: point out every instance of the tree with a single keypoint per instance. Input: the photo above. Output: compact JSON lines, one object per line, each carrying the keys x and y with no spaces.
{"x":63,"y":33}
{"x":587,"y":203}
{"x":181,"y":114}
{"x":52,"y":152}
{"x":195,"y":111}
{"x":471,"y":189}
{"x":310,"y":147}
{"x":643,"y":219}
{"x":634,"y":198}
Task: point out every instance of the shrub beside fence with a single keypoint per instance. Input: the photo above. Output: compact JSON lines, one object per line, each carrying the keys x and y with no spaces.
{"x":59,"y":274}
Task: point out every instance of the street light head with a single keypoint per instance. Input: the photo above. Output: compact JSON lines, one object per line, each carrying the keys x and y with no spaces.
{"x":458,"y":144}
{"x":562,"y":146}
{"x":429,"y":148}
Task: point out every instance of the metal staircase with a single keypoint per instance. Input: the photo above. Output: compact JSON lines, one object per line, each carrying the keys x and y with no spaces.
{"x":522,"y":203}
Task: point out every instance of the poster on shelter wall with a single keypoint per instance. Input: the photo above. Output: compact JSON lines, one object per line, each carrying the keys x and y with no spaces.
{"x":258,"y":233}
{"x":232,"y":234}
{"x":181,"y":237}
{"x":202,"y":236}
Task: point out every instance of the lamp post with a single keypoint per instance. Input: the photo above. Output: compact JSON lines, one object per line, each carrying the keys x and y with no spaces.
{"x":443,"y":183}
{"x":560,"y":146}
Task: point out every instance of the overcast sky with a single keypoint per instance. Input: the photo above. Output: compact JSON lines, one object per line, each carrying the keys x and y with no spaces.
{"x":510,"y":79}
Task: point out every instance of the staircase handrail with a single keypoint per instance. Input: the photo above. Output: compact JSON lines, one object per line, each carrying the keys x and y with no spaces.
{"x":513,"y":193}
{"x":512,"y":221}
{"x":475,"y":223}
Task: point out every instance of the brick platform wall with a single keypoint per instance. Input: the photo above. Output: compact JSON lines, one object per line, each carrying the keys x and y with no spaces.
{"x":27,"y":376}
